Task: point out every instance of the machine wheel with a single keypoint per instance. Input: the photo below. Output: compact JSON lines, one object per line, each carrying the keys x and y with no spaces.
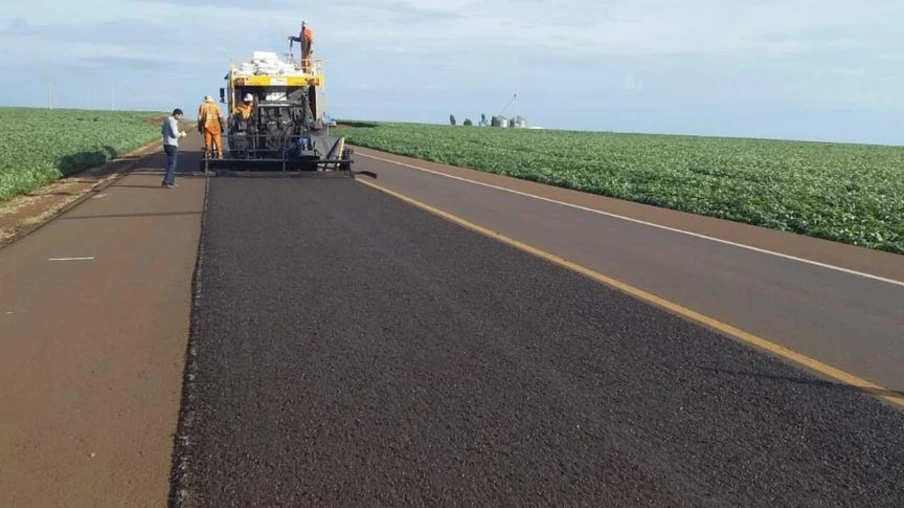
{"x":346,"y":165}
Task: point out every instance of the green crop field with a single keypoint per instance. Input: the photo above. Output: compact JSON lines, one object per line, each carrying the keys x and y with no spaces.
{"x":38,"y":146}
{"x":842,"y":192}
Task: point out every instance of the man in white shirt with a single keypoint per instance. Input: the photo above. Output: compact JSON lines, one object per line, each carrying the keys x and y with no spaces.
{"x":171,"y":135}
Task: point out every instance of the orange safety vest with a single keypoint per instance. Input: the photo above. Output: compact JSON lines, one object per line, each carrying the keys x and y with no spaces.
{"x":307,"y":36}
{"x":244,"y":110}
{"x":209,"y":116}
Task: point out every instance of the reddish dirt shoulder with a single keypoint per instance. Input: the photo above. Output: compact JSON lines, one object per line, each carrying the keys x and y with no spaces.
{"x":23,"y":214}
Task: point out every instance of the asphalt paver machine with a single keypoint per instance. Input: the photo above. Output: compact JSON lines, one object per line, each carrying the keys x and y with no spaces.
{"x":287,"y":129}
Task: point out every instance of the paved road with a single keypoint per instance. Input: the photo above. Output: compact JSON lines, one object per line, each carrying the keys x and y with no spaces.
{"x":92,"y":351}
{"x":352,"y":350}
{"x":847,"y":321}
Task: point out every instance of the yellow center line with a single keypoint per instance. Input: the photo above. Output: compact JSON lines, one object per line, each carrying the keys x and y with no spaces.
{"x":747,"y":337}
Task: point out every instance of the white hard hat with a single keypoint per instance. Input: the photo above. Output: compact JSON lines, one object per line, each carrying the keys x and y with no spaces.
{"x":248,"y":98}
{"x":208,"y":98}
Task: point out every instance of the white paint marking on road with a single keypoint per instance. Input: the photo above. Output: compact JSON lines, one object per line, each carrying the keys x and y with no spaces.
{"x":72,"y":259}
{"x":645,"y":223}
{"x":100,"y":196}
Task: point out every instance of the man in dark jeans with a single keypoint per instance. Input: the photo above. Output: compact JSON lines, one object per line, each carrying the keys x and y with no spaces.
{"x":171,"y":135}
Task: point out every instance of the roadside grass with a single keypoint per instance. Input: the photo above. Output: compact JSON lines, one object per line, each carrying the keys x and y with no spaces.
{"x":39,"y":146}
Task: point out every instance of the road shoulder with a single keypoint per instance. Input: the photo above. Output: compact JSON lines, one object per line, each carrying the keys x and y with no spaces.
{"x":94,"y":317}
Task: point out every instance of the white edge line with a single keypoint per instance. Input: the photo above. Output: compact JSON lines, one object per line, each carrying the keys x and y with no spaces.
{"x":71,"y":259}
{"x":645,"y":223}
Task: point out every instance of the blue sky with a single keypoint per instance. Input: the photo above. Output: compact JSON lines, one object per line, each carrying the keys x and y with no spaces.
{"x":802,"y":69}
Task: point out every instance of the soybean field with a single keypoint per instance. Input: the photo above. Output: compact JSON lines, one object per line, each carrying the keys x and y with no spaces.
{"x":842,"y":192}
{"x":38,"y":146}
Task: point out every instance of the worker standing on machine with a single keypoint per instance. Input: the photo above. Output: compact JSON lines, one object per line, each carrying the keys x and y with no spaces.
{"x":306,"y":38}
{"x":211,"y":123}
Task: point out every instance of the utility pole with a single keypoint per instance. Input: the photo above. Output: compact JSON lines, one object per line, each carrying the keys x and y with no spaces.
{"x":112,"y":98}
{"x":51,"y":94}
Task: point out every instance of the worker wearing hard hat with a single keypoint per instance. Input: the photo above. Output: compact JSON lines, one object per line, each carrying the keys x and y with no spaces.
{"x":306,"y":38}
{"x":211,"y":123}
{"x":246,"y":108}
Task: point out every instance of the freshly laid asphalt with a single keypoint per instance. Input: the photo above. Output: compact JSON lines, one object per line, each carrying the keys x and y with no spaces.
{"x":351,"y":350}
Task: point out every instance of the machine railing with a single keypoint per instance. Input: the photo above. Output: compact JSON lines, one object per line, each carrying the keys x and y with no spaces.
{"x":316,"y":66}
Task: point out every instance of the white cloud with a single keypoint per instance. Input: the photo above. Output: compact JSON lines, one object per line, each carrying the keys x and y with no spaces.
{"x":632,"y":84}
{"x":82,"y":54}
{"x":778,"y":51}
{"x":762,"y":28}
{"x":757,"y":28}
{"x":158,"y":30}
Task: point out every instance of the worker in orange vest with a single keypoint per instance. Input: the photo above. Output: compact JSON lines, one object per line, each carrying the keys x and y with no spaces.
{"x":246,"y":108}
{"x":306,"y":38}
{"x":211,"y":123}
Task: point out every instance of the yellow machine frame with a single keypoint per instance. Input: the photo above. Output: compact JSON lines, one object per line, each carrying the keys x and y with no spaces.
{"x":313,"y":79}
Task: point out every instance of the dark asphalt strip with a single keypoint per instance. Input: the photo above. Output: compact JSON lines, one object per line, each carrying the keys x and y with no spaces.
{"x":351,"y":350}
{"x":178,"y":494}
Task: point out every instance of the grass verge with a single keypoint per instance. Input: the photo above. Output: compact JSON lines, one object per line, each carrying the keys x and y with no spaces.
{"x":39,"y":146}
